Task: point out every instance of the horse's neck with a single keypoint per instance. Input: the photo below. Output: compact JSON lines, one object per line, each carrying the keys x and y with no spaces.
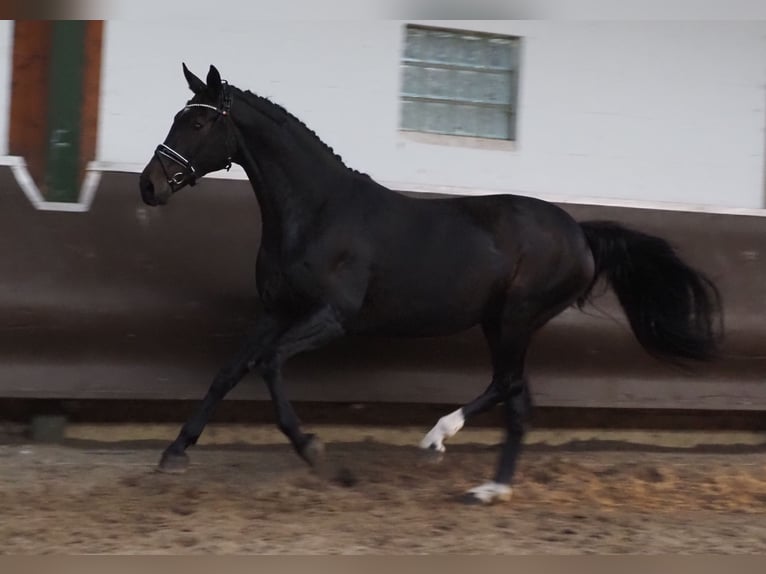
{"x":289,"y":182}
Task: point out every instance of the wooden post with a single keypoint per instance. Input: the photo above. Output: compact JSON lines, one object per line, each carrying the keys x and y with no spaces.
{"x":54,"y":101}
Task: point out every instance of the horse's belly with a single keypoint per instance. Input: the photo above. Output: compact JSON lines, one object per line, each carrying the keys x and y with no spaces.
{"x":423,"y":308}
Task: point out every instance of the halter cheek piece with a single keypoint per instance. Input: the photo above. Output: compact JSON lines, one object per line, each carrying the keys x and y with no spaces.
{"x":187,"y":174}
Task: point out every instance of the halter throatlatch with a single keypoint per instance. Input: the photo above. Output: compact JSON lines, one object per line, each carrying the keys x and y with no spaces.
{"x":187,"y":174}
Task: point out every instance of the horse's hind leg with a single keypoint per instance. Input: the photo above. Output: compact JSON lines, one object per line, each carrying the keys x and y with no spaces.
{"x":508,"y":337}
{"x":509,"y":385}
{"x":508,"y":340}
{"x":517,"y":410}
{"x":522,"y":317}
{"x":449,"y":425}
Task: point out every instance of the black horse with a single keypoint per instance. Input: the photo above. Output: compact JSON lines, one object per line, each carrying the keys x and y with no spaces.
{"x":341,"y":254}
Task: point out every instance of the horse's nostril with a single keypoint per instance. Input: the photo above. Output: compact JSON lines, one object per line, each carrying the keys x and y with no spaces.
{"x":147,"y":190}
{"x":145,"y":182}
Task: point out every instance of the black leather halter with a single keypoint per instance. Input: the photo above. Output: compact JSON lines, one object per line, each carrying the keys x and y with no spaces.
{"x":187,"y":174}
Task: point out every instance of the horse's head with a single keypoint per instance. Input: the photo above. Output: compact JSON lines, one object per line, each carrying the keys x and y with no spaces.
{"x":201,"y":140}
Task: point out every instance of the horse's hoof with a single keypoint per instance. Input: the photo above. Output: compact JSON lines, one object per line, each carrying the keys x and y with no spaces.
{"x":346,"y":477}
{"x":431,"y":444}
{"x":432,"y":456}
{"x":470,"y":499}
{"x":173,"y":463}
{"x":487,"y":493}
{"x":312,"y":450}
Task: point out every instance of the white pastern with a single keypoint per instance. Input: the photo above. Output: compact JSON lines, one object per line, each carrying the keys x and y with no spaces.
{"x":447,"y":426}
{"x":491,"y":491}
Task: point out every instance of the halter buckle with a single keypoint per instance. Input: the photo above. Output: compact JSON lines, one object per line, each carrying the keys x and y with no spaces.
{"x":177,"y":178}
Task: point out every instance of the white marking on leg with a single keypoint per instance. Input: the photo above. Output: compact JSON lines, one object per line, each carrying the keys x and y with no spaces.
{"x":491,"y":491}
{"x":446,"y":427}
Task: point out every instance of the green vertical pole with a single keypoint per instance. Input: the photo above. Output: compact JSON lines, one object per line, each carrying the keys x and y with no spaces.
{"x":64,"y":110}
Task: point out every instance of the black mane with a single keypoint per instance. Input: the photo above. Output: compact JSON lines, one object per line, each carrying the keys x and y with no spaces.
{"x":275,"y":109}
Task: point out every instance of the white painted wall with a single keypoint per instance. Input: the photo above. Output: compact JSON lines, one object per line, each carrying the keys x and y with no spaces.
{"x":6,"y":61}
{"x":650,"y":111}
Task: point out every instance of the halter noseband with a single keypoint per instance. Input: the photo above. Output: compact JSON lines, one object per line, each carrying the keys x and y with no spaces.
{"x":187,"y":173}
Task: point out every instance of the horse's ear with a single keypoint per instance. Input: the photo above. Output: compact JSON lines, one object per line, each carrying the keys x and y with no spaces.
{"x":195,"y":84}
{"x":213,"y":81}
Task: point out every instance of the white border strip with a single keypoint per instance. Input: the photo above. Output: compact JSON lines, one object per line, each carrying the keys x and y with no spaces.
{"x":30,"y":189}
{"x":96,"y":168}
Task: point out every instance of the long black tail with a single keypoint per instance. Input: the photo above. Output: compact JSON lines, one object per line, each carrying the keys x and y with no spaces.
{"x":674,"y":310}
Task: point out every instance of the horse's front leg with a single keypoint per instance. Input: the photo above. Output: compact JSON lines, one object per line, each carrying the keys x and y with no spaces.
{"x":174,"y":458}
{"x":316,"y":330}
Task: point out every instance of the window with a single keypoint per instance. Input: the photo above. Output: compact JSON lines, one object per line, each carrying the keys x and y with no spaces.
{"x":459,"y":83}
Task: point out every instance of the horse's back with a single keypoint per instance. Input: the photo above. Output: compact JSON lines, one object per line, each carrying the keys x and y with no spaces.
{"x":512,"y":227}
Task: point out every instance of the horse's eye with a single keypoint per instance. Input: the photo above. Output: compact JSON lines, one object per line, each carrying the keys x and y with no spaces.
{"x":197,"y":125}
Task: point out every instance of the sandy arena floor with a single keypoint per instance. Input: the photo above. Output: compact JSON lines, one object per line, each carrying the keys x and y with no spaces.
{"x":100,"y":493}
